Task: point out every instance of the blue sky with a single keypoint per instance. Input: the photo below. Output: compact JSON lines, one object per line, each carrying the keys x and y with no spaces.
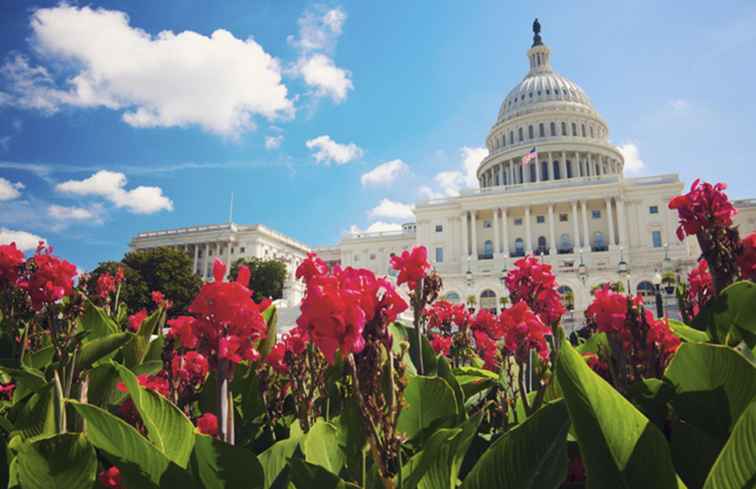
{"x":120,"y":117}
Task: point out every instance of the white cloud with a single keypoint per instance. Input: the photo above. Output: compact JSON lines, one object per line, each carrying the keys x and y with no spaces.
{"x":377,"y":227}
{"x":428,"y":193}
{"x":273,"y":142}
{"x":329,"y":151}
{"x":385,"y":173}
{"x":679,"y":105}
{"x":390,"y":209}
{"x":319,"y":30}
{"x":63,"y":213}
{"x":8,"y":190}
{"x":111,"y":186}
{"x":471,"y":158}
{"x":451,"y":182}
{"x":218,"y":82}
{"x":24,"y":241}
{"x":633,"y":164}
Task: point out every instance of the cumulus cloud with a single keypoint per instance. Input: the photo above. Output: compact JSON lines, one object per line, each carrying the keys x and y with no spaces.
{"x":390,"y":209}
{"x":273,"y":142}
{"x":428,"y":193}
{"x":633,"y":163}
{"x":385,"y":173}
{"x":111,"y":186}
{"x":376,"y":227}
{"x":329,"y":151}
{"x":64,"y":213}
{"x":8,"y":190}
{"x":218,"y":82}
{"x":319,"y":30}
{"x":24,"y":240}
{"x":450,"y":182}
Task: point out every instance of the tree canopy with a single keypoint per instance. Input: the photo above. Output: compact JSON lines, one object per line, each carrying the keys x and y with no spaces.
{"x":268,"y":276}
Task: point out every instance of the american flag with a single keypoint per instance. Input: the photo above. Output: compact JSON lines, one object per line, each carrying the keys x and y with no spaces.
{"x":532,"y":155}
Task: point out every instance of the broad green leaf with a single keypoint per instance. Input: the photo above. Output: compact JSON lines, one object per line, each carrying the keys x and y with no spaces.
{"x":474,"y":380}
{"x":320,"y":446}
{"x":429,"y":354}
{"x":685,"y":332}
{"x":155,"y":350}
{"x":40,"y":359}
{"x":65,"y":461}
{"x":445,"y":465}
{"x":713,"y":385}
{"x":532,"y":455}
{"x":693,"y":452}
{"x":35,"y":414}
{"x":400,"y":335}
{"x":167,"y":427}
{"x":652,"y":396}
{"x":221,"y":466}
{"x":445,"y":372}
{"x":417,"y":466}
{"x":595,"y":344}
{"x":427,"y":399}
{"x":27,"y":380}
{"x":100,"y":348}
{"x":734,"y":306}
{"x":97,"y":323}
{"x":270,"y":315}
{"x":136,"y":351}
{"x":735,"y":467}
{"x":619,"y":445}
{"x":276,"y":457}
{"x":309,"y":476}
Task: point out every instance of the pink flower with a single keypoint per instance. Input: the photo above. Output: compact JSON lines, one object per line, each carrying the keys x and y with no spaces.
{"x":277,"y":358}
{"x":105,"y":285}
{"x":11,"y":259}
{"x":6,"y":391}
{"x":136,"y":320}
{"x":660,"y":336}
{"x":747,"y":258}
{"x":705,"y":206}
{"x":411,"y":266}
{"x":700,"y":287}
{"x":441,"y":344}
{"x":208,"y":424}
{"x":51,"y":278}
{"x":609,"y":311}
{"x":190,"y":368}
{"x":523,"y":330}
{"x":533,"y":282}
{"x":183,"y":328}
{"x":110,"y":478}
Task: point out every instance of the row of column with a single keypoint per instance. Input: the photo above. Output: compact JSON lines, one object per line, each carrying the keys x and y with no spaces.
{"x":513,"y":172}
{"x":501,"y":228}
{"x":206,"y":254}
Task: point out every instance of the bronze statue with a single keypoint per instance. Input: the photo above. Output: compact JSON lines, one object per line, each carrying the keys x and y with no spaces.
{"x":537,"y":33}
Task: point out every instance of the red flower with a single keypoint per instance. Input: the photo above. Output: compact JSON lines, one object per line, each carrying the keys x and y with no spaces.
{"x":208,"y":424}
{"x":700,"y":287}
{"x":660,"y":336}
{"x":183,"y":328}
{"x":6,"y":391}
{"x":524,"y":331}
{"x":411,"y":266}
{"x":485,"y":321}
{"x":277,"y":358}
{"x":51,"y":278}
{"x":110,"y":478}
{"x":747,"y":258}
{"x":609,"y":311}
{"x":119,"y":276}
{"x":487,"y":349}
{"x":160,"y":301}
{"x":136,"y":320}
{"x":228,"y":322}
{"x":106,"y":285}
{"x":441,"y":344}
{"x":156,"y":383}
{"x":441,"y":313}
{"x":532,"y":281}
{"x":338,"y":304}
{"x":705,"y":206}
{"x":190,"y":368}
{"x":11,"y":258}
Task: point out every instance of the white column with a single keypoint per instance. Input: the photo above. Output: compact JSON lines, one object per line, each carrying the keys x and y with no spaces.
{"x":206,"y":261}
{"x":537,"y":170}
{"x":497,"y":245}
{"x":465,"y":244}
{"x":552,"y":239}
{"x":621,"y":223}
{"x":528,"y":240}
{"x":563,"y":165}
{"x":610,"y":217}
{"x":505,"y":231}
{"x":196,"y":252}
{"x":228,"y":259}
{"x":576,"y":243}
{"x":586,"y":236}
{"x":669,"y":222}
{"x":474,"y":225}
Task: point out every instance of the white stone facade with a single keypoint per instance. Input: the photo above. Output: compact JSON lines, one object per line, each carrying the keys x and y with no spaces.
{"x":230,"y":242}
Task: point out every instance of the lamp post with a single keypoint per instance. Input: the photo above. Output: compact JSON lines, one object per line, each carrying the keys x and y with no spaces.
{"x":624,"y":270}
{"x":657,"y":287}
{"x":469,"y":281}
{"x":582,"y":269}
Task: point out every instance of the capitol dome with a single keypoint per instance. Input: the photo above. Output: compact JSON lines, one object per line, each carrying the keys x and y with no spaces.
{"x":550,"y":118}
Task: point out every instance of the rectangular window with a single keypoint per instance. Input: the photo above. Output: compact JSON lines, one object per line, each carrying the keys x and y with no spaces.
{"x":654,"y":209}
{"x":582,"y":130}
{"x":564,"y":128}
{"x":372,"y":256}
{"x":563,"y":218}
{"x":553,"y":129}
{"x":656,"y":239}
{"x":439,"y":255}
{"x":242,"y":250}
{"x":540,"y":219}
{"x":591,"y":127}
{"x":439,"y":228}
{"x":541,"y":130}
{"x":518,"y":221}
{"x":530,"y":132}
{"x":519,"y":134}
{"x":574,"y":129}
{"x":596,"y":214}
{"x":487,"y":224}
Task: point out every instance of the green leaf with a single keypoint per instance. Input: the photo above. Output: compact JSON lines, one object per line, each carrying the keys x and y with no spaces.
{"x":131,"y":451}
{"x":693,"y":452}
{"x":40,"y":359}
{"x":136,"y":351}
{"x":444,"y":467}
{"x":429,"y":354}
{"x":734,"y":306}
{"x":320,"y":446}
{"x":685,"y":332}
{"x":417,"y":466}
{"x":99,"y":348}
{"x":221,"y":466}
{"x":445,"y":372}
{"x":155,"y":350}
{"x":65,"y":461}
{"x":428,"y":399}
{"x":277,"y":456}
{"x":167,"y":427}
{"x":97,"y":323}
{"x":532,"y":455}
{"x":35,"y":414}
{"x":620,"y":446}
{"x":270,"y":315}
{"x":474,"y":380}
{"x":27,"y":380}
{"x":309,"y":476}
{"x":713,"y":385}
{"x":735,"y":467}
{"x":400,"y":335}
{"x":597,"y":343}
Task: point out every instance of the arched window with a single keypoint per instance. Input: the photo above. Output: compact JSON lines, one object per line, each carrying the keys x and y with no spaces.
{"x":574,"y":129}
{"x":488,"y":300}
{"x":541,"y":130}
{"x":565,"y":243}
{"x":564,"y":128}
{"x":530,"y":132}
{"x":453,"y":297}
{"x":511,"y":137}
{"x":544,"y":170}
{"x":582,"y":130}
{"x":519,"y":247}
{"x":519,"y":134}
{"x":567,"y":297}
{"x":599,"y":244}
{"x":557,"y":171}
{"x":543,"y":248}
{"x":648,"y":292}
{"x":553,"y":128}
{"x":488,"y":249}
{"x":533,"y":176}
{"x":569,"y":169}
{"x":591,"y":128}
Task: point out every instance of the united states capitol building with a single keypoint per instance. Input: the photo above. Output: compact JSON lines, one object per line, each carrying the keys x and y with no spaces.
{"x":568,"y":203}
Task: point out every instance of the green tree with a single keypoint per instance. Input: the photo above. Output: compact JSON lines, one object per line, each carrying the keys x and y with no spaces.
{"x":268,"y":276}
{"x":167,"y":270}
{"x":135,"y":292}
